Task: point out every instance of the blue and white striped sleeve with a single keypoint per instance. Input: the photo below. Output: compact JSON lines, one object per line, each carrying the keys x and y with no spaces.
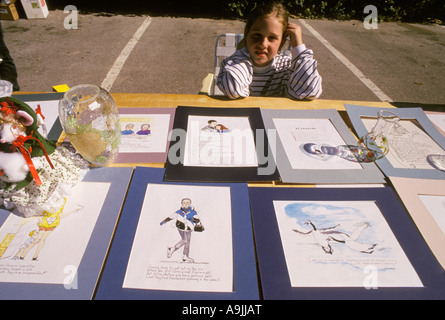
{"x":235,"y":75}
{"x":305,"y":81}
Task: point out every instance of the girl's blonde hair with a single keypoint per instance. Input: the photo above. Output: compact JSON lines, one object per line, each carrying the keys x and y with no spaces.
{"x":267,"y":9}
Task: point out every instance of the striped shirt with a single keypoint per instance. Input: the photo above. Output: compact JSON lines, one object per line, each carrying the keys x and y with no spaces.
{"x":291,"y":74}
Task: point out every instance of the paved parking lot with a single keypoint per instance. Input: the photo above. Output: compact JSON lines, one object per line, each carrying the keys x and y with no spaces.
{"x":399,"y":62}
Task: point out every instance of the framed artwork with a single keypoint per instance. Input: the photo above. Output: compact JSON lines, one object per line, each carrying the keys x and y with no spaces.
{"x":330,"y":244}
{"x":63,"y":261}
{"x":181,"y":241}
{"x":145,"y":133}
{"x":302,"y":135}
{"x":219,"y":145}
{"x":425,"y":201}
{"x":411,"y":141}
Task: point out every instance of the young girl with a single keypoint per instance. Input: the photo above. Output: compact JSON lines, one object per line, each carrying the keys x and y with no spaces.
{"x":259,"y":69}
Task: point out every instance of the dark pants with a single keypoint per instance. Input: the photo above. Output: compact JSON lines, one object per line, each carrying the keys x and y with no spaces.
{"x":186,"y":237}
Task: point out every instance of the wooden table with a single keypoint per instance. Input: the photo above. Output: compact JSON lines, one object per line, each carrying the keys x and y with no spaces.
{"x":142,"y":100}
{"x":149,"y":100}
{"x":161,"y":100}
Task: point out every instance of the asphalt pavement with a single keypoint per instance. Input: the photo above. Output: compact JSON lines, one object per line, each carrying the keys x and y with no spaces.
{"x":398,"y":62}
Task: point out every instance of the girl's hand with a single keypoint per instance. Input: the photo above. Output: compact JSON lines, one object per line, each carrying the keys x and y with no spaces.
{"x":293,"y":31}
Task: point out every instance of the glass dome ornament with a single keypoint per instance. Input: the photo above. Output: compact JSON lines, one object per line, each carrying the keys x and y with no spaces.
{"x":91,"y":122}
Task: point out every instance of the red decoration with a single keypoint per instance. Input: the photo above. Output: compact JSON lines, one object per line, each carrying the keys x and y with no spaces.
{"x":39,"y":111}
{"x":8,"y":107}
{"x":19,"y":143}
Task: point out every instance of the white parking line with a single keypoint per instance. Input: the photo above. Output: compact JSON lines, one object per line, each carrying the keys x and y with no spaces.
{"x":376,"y":90}
{"x":122,"y":58}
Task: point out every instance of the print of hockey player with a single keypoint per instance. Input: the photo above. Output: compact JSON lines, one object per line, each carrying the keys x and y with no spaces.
{"x":187,"y":221}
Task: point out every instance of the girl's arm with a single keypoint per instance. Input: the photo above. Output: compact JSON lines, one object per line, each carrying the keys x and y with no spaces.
{"x":235,"y":75}
{"x":305,"y":81}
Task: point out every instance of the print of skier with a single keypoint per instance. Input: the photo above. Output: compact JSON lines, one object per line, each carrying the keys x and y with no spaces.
{"x":187,"y":221}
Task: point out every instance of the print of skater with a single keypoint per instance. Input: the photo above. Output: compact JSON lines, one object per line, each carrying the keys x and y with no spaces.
{"x":32,"y":237}
{"x":47,"y":224}
{"x":187,"y":221}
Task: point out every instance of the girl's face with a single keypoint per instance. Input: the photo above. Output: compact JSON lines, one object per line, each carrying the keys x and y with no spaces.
{"x":264,"y":40}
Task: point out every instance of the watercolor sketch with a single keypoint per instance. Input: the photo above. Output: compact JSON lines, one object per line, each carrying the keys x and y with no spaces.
{"x":220,"y":142}
{"x":325,"y":236}
{"x":215,"y":127}
{"x":409,"y":145}
{"x":38,"y":249}
{"x":183,"y":240}
{"x":187,"y":221}
{"x":44,"y":228}
{"x":144,"y":133}
{"x":328,"y":243}
{"x":309,"y":144}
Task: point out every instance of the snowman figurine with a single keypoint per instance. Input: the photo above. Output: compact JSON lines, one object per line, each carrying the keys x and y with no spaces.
{"x":36,"y":175}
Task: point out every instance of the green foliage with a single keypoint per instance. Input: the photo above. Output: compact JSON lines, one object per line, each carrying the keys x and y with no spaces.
{"x":388,"y":10}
